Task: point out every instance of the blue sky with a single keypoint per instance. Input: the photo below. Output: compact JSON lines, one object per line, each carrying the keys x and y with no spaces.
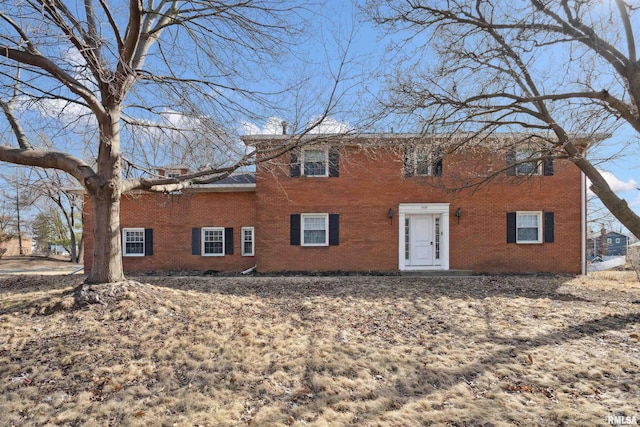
{"x":621,"y":151}
{"x":334,"y":22}
{"x":368,"y":57}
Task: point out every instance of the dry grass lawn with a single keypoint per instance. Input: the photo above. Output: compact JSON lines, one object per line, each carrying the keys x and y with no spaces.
{"x":365,"y":351}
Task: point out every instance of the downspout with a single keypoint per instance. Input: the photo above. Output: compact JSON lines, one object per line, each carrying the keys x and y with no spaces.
{"x":583,"y":223}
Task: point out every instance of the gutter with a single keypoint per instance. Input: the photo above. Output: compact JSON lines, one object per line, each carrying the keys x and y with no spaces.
{"x":583,"y":223}
{"x":196,"y":188}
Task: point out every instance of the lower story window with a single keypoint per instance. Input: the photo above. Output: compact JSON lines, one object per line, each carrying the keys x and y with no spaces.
{"x":528,"y":227}
{"x":133,"y":241}
{"x":315,"y":230}
{"x":247,"y":241}
{"x":213,"y":241}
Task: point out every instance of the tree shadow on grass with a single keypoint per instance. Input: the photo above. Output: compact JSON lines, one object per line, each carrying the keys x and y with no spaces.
{"x":400,"y":391}
{"x":426,"y":380}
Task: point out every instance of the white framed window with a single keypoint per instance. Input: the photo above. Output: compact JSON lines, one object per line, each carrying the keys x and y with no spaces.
{"x":523,"y":167}
{"x":608,"y":240}
{"x":427,"y":161}
{"x":315,"y":161}
{"x":528,"y":227}
{"x":133,"y":241}
{"x":248,"y":243}
{"x":314,"y":229}
{"x":617,"y":240}
{"x":213,"y":241}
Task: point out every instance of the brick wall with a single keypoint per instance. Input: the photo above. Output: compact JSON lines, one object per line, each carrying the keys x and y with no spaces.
{"x":172,"y":218}
{"x":372,"y":181}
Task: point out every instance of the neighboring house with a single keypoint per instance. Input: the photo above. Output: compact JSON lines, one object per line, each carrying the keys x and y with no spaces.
{"x":373,"y":203}
{"x":606,"y":243}
{"x":12,"y":246}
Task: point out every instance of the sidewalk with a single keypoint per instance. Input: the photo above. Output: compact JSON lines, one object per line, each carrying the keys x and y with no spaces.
{"x":46,"y":271}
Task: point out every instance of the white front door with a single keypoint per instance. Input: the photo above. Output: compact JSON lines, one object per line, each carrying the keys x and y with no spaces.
{"x":421,"y":240}
{"x":423,"y":236}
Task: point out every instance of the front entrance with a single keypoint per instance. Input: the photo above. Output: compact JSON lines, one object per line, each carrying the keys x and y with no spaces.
{"x":423,"y":240}
{"x":424,"y":236}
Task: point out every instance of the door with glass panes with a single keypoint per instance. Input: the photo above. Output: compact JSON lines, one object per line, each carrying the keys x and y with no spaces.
{"x":422,"y":240}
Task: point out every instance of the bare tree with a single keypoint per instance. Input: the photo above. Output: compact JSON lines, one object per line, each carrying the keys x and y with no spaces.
{"x":19,"y":196}
{"x":55,"y":188}
{"x":121,"y":66}
{"x":553,"y":69}
{"x":6,"y":223}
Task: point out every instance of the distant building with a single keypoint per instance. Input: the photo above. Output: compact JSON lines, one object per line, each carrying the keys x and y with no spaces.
{"x":606,"y":243}
{"x":12,"y":246}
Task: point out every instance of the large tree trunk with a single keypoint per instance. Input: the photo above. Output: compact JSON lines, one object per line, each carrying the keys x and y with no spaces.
{"x":107,"y":255}
{"x":105,"y":205}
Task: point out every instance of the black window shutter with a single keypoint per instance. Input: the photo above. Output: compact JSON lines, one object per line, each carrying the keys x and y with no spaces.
{"x":437,"y":162}
{"x":511,"y":227}
{"x":334,"y":229}
{"x":408,"y":160}
{"x":228,"y":241}
{"x":334,"y":161}
{"x":195,"y":241}
{"x":547,"y":166}
{"x":148,"y":241}
{"x":295,"y":229}
{"x":294,"y":162}
{"x":548,"y":227}
{"x":511,"y":161}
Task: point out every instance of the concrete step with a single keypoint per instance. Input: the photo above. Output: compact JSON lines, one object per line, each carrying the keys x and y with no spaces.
{"x":438,"y":273}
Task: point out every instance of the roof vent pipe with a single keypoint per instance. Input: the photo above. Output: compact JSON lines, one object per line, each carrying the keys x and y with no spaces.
{"x":284,"y":127}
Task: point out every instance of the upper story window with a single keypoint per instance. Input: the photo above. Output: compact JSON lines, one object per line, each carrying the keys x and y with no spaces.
{"x":617,"y":240}
{"x":608,"y":240}
{"x":527,"y":160}
{"x":526,"y":167}
{"x":422,"y":160}
{"x":315,"y":161}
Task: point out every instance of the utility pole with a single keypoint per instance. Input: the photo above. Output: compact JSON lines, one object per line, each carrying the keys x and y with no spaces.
{"x":18,"y":217}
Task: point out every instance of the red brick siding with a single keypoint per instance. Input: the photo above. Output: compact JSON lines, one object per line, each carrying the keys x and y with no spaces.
{"x":172,"y":217}
{"x":371,"y":184}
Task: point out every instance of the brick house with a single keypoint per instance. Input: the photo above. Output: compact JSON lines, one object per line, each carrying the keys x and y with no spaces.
{"x":380,"y":203}
{"x":11,"y":247}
